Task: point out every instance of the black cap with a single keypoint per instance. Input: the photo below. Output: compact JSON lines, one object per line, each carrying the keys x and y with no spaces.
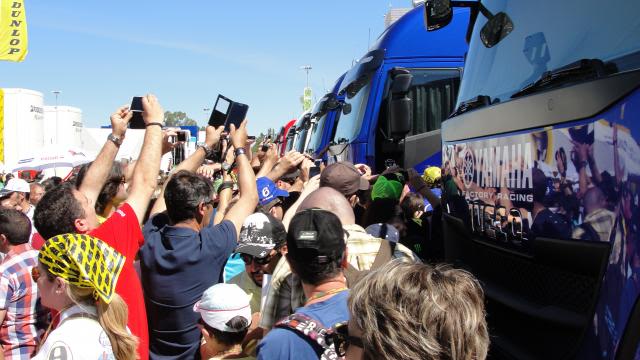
{"x":260,"y":233}
{"x":315,"y":235}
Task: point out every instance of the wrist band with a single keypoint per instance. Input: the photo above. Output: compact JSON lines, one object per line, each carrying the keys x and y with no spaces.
{"x":239,"y":151}
{"x":225,"y":185}
{"x":154,"y":123}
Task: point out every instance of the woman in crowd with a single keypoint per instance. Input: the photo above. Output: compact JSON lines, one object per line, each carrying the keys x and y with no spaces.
{"x":414,"y":311}
{"x":76,"y":277}
{"x":225,"y":319}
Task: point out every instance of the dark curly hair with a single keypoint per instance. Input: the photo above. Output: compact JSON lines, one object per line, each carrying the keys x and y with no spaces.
{"x":57,"y":212}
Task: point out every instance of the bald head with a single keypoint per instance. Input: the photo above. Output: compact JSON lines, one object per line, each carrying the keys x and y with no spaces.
{"x":329,"y":199}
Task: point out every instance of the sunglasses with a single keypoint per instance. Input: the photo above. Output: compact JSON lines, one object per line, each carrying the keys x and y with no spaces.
{"x":342,"y":340}
{"x":248,"y":259}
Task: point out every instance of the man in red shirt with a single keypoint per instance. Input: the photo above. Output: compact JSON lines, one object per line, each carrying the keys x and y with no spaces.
{"x":66,"y":209}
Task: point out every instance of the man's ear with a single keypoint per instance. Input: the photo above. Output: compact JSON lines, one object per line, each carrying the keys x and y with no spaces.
{"x":353,"y":200}
{"x":81,"y":225}
{"x":201,"y":211}
{"x":345,"y":262}
{"x":272,"y":211}
{"x":4,"y":242}
{"x":204,"y":332}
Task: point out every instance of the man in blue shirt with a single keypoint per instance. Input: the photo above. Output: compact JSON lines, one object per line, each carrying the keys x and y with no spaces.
{"x":184,"y":253}
{"x":317,"y":254}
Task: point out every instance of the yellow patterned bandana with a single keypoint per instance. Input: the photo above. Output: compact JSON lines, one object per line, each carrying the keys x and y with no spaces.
{"x":83,"y":261}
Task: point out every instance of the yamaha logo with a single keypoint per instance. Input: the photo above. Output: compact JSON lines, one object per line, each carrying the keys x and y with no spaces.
{"x":468,"y":167}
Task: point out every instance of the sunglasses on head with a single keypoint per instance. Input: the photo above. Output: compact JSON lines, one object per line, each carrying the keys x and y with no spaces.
{"x":342,"y":340}
{"x":248,"y":259}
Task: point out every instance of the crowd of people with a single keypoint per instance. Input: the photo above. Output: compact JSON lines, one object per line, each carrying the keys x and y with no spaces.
{"x":118,"y":262}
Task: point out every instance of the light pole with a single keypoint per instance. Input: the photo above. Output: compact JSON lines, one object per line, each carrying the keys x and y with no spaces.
{"x":306,"y":68}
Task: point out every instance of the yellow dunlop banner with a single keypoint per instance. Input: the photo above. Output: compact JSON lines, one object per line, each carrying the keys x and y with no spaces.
{"x":13,"y":30}
{"x":1,"y":125}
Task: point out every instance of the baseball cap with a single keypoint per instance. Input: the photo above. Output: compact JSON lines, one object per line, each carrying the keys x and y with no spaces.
{"x":19,"y":185}
{"x":315,"y":235}
{"x":260,"y":233}
{"x":386,"y":189}
{"x":344,"y":177}
{"x":268,"y":191}
{"x":221,"y":303}
{"x":383,"y":231}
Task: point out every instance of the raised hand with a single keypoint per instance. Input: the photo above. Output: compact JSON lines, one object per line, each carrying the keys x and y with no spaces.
{"x":120,"y":120}
{"x":239,"y":135}
{"x":152,"y":111}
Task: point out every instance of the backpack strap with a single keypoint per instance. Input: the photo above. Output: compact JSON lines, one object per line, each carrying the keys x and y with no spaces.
{"x":311,"y":329}
{"x":384,"y":255}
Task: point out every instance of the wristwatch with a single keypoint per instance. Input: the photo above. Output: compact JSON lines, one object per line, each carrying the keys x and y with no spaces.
{"x":226,"y":167}
{"x":239,"y":151}
{"x":208,"y":152}
{"x":116,"y":140}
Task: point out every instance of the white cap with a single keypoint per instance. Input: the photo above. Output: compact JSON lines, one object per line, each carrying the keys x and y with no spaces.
{"x":221,"y":303}
{"x":19,"y":185}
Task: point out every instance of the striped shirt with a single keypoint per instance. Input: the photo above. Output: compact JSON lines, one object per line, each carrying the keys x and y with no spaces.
{"x":19,"y":297}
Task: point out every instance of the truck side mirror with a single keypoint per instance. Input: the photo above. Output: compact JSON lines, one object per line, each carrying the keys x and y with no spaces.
{"x":437,"y":14}
{"x":400,"y":105}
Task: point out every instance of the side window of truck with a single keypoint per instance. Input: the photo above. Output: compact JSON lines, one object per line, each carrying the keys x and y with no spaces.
{"x":434,"y":93}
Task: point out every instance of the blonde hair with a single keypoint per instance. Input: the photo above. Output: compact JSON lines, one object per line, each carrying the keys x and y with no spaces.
{"x":113,"y":319}
{"x":419,"y":311}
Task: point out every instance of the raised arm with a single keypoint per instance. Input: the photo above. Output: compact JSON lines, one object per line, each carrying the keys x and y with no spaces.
{"x":246,"y":179}
{"x":270,"y":160}
{"x":190,"y":164}
{"x":289,"y":162}
{"x":145,"y":174}
{"x":98,"y":172}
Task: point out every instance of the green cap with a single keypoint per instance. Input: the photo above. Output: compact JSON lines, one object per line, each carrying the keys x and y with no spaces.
{"x":386,"y":189}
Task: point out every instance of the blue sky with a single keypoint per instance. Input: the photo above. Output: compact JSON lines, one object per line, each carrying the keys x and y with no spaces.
{"x":100,"y":53}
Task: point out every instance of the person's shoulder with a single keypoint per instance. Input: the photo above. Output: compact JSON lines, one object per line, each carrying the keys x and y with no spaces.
{"x":282,"y":343}
{"x":76,"y":338}
{"x":226,"y":229}
{"x":156,"y":222}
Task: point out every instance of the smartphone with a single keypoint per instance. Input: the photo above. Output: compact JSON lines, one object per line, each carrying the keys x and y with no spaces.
{"x":182,"y":136}
{"x":136,"y":122}
{"x":236,"y":115}
{"x":227,"y":112}
{"x":313,"y":171}
{"x":219,"y":114}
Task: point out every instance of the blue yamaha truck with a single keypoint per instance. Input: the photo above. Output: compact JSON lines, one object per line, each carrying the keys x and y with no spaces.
{"x":541,"y":174}
{"x":392,"y":101}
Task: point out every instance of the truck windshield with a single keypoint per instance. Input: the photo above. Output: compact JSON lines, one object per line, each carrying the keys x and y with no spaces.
{"x":316,"y":132}
{"x":544,"y":39}
{"x":349,"y":124}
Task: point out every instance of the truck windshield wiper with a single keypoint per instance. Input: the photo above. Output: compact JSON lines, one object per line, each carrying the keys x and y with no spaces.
{"x":581,"y":70}
{"x":477,"y":102}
